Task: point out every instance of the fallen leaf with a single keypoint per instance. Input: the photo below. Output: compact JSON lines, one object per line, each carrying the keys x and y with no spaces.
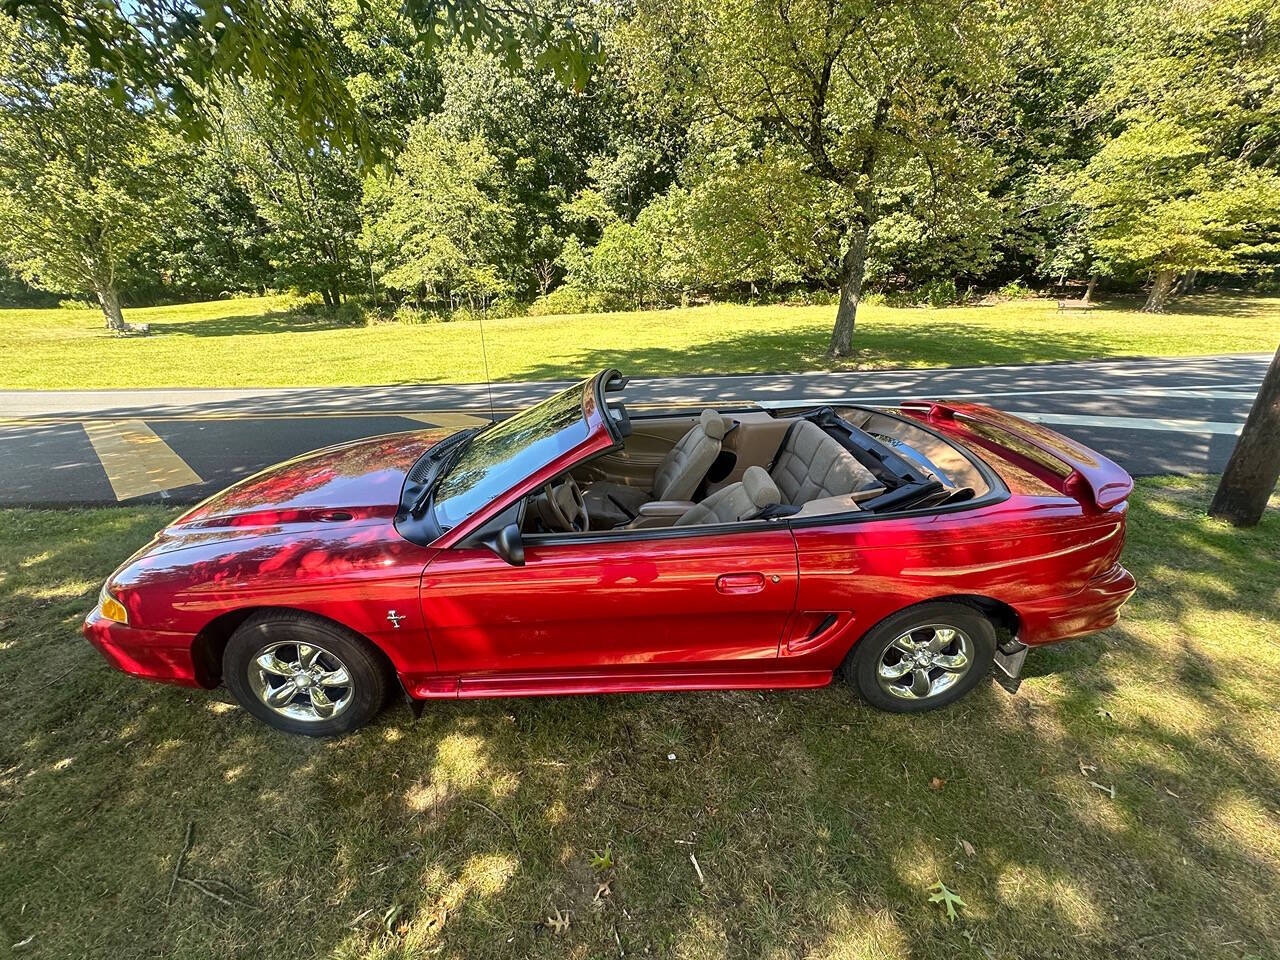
{"x":602,"y":859}
{"x":1087,"y":768}
{"x":560,"y":922}
{"x":937,"y":783}
{"x":604,"y":890}
{"x":967,"y":847}
{"x":949,"y":900}
{"x":1103,"y":713}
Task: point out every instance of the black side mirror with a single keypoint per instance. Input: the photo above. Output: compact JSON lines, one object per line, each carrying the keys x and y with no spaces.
{"x":508,"y":544}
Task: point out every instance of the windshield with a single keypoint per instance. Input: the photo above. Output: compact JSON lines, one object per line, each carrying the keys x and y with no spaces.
{"x":499,"y":456}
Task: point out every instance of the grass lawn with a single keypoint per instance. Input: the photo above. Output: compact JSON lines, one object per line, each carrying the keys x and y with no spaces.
{"x":819,"y":825}
{"x":263,"y":342}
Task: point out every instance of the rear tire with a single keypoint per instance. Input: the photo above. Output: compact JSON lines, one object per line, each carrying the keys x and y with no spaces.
{"x":922,"y":658}
{"x":303,"y":674}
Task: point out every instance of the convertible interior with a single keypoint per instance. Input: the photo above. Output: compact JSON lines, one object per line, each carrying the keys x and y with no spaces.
{"x":724,"y":467}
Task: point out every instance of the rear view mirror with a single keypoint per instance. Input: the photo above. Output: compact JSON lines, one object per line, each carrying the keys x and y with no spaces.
{"x":508,"y":544}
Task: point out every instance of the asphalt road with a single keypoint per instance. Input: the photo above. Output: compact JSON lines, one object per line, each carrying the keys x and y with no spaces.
{"x":1166,"y":415}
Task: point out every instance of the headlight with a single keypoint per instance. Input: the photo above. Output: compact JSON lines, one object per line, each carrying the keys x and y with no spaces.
{"x":111,"y":608}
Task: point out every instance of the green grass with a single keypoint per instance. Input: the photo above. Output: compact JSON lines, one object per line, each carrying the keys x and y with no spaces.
{"x":819,"y":824}
{"x":264,"y":342}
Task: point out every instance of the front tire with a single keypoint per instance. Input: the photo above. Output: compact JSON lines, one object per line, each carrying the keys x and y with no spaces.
{"x":922,"y":658}
{"x":303,"y":674}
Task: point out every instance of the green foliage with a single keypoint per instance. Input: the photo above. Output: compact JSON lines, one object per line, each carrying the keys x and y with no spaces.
{"x":308,"y":196}
{"x":86,"y":179}
{"x":440,"y":223}
{"x":188,"y":50}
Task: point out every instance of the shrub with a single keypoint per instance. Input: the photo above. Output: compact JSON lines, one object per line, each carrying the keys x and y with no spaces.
{"x":937,"y":293}
{"x":572,"y":299}
{"x":1015,"y":290}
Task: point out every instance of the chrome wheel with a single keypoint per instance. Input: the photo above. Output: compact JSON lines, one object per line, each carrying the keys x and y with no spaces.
{"x":301,"y":681}
{"x":925,"y":662}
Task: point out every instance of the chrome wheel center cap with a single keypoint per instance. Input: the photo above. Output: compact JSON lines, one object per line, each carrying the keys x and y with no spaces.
{"x":303,"y":680}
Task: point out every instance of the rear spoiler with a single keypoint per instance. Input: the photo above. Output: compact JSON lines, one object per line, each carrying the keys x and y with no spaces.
{"x":1089,"y":477}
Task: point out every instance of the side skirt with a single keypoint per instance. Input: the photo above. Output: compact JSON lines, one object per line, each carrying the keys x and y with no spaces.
{"x":617,"y":681}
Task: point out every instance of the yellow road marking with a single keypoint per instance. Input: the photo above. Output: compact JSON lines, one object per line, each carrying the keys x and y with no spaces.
{"x":136,"y":461}
{"x":423,"y":416}
{"x":443,"y":419}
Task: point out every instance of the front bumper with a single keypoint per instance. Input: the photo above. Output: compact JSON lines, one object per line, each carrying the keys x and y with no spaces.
{"x":1095,"y":607}
{"x":165,"y":657}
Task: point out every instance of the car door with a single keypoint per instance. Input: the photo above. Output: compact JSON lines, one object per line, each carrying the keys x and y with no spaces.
{"x":653,"y":601}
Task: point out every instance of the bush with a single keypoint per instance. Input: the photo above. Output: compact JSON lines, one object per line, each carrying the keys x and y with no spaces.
{"x":1015,"y":290}
{"x":571,"y":299}
{"x":875,"y":298}
{"x":937,"y":293}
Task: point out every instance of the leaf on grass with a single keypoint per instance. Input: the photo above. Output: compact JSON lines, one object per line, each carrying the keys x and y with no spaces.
{"x":560,"y":922}
{"x":949,"y":900}
{"x":967,"y":847}
{"x":1087,"y":768}
{"x":603,"y":890}
{"x":602,"y":859}
{"x":1102,"y":713}
{"x":937,"y":783}
{"x":389,"y":918}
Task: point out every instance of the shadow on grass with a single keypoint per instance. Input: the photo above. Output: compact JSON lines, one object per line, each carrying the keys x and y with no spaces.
{"x":306,"y":318}
{"x":817,"y":825}
{"x":927,"y":344}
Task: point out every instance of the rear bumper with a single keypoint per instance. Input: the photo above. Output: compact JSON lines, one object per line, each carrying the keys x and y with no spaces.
{"x":165,"y":657}
{"x":1095,"y":607}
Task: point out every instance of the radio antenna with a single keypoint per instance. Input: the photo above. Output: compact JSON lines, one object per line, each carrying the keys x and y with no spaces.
{"x":484,"y":352}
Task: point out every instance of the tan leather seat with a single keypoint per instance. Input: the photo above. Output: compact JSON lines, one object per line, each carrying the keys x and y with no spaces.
{"x":677,"y":478}
{"x":739,"y":501}
{"x":811,"y":465}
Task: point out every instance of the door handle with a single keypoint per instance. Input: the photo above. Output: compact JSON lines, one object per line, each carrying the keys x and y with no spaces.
{"x":740,"y":582}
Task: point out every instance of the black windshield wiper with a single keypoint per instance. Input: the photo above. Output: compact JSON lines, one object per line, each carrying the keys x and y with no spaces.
{"x":445,"y":455}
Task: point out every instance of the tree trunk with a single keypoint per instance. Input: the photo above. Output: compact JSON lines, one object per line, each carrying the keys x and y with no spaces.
{"x":328,"y":298}
{"x":1187,"y":283}
{"x":1161,"y":291}
{"x":1088,"y":291}
{"x":110,"y":303}
{"x":853,"y":269}
{"x":1254,"y":466}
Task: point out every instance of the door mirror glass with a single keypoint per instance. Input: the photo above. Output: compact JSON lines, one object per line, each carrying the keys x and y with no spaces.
{"x":508,"y":544}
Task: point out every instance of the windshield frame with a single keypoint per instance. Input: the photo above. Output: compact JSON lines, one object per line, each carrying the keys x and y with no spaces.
{"x":601,"y":433}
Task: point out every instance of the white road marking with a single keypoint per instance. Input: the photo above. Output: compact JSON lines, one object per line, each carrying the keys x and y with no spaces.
{"x":1136,"y":423}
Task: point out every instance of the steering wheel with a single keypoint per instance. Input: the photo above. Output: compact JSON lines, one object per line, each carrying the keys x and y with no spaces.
{"x":568,"y":507}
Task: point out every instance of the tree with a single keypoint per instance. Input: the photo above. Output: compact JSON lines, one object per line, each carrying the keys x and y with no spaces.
{"x":86,"y":178}
{"x":441,"y":223}
{"x":856,"y":88}
{"x":1187,"y":180}
{"x":1254,"y":466}
{"x":188,"y":52}
{"x":307,"y":192}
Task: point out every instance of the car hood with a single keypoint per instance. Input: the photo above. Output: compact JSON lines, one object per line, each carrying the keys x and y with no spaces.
{"x":349,"y":483}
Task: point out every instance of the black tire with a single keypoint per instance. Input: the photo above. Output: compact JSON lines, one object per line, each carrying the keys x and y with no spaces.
{"x":281,"y":630}
{"x":861,"y":666}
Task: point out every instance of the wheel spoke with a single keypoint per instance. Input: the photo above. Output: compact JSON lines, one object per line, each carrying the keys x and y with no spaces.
{"x":892,"y":671}
{"x":274,"y":665}
{"x":334,"y":678}
{"x":307,"y":655}
{"x":920,"y":682}
{"x":952,"y":663}
{"x":904,"y":643}
{"x":282,"y":695}
{"x":321,"y":703}
{"x":942,"y":637}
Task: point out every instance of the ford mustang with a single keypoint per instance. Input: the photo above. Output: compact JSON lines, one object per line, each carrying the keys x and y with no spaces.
{"x":574,"y":548}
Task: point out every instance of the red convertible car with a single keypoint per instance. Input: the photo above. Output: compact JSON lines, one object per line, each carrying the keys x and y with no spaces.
{"x":574,"y":548}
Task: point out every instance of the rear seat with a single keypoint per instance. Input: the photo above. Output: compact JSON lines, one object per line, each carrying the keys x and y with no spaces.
{"x":811,"y":465}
